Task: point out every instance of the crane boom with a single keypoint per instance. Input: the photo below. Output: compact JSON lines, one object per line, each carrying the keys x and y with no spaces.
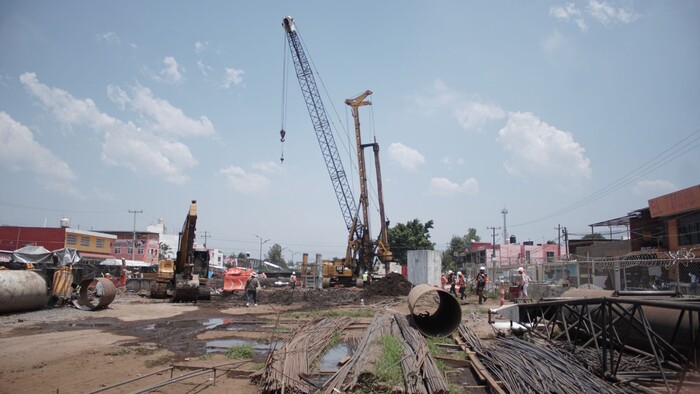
{"x":322,"y":127}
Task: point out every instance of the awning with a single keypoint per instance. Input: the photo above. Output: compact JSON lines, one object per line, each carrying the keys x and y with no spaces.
{"x":94,"y":256}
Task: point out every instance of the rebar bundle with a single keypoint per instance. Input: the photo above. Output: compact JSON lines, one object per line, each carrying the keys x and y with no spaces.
{"x":524,"y":367}
{"x":285,"y":367}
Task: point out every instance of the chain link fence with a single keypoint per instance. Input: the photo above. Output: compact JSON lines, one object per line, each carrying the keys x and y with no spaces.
{"x":670,"y":271}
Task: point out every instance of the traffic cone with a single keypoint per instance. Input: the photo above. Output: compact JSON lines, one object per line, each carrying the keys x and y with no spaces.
{"x":503,"y":295}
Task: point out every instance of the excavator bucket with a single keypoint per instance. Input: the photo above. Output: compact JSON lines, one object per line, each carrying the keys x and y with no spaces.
{"x":235,"y":279}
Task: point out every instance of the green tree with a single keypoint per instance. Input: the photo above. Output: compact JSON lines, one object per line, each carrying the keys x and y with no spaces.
{"x":274,"y":256}
{"x":593,"y":236}
{"x":413,"y":235}
{"x":454,"y":254}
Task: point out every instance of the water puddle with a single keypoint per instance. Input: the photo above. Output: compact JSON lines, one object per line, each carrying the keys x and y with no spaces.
{"x":260,"y":348}
{"x":329,"y":361}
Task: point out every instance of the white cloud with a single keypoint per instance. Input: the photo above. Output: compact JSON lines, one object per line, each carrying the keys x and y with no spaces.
{"x":601,"y":11}
{"x":450,"y":163}
{"x":148,"y":150}
{"x":267,"y":167}
{"x":540,"y":150}
{"x":654,"y":188}
{"x":164,"y":117}
{"x":109,"y":37}
{"x":232,"y":76}
{"x":244,"y":182}
{"x":201,"y":47}
{"x":554,"y":42}
{"x":405,"y":156}
{"x":607,"y":14}
{"x":172,"y":72}
{"x":471,"y":113}
{"x":443,"y":187}
{"x":203,"y":68}
{"x":20,"y":152}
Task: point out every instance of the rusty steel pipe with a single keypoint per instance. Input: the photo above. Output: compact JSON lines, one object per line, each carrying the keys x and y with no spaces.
{"x":88,"y":294}
{"x":22,"y":291}
{"x":434,"y":312}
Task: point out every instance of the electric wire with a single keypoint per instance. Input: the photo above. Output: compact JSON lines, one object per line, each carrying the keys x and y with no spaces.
{"x":685,"y":145}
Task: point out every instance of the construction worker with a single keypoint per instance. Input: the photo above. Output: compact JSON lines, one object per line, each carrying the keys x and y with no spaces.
{"x":451,"y":282}
{"x":293,"y":280}
{"x":482,"y":279}
{"x":462,"y":285}
{"x":443,"y":280}
{"x":251,"y":289}
{"x":365,"y":278}
{"x":524,"y":282}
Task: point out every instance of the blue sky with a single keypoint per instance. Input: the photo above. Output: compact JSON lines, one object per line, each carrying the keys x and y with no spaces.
{"x":565,"y":113}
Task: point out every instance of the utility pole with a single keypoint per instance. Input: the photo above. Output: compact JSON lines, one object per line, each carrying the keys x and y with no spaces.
{"x":261,"y":244}
{"x":566,"y":242}
{"x":493,"y":252}
{"x":559,"y":236}
{"x":206,"y":235}
{"x":133,"y":245}
{"x":504,"y":211}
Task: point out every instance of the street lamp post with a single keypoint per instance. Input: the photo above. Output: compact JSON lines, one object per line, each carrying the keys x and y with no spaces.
{"x":261,"y":244}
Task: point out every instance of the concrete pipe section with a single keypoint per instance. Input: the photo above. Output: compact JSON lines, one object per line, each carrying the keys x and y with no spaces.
{"x":435,"y":312}
{"x":22,"y":291}
{"x":95,"y":294}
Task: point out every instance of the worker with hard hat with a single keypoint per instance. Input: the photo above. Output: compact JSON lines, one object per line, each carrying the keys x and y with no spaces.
{"x":482,"y":279}
{"x":293,"y":280}
{"x":451,"y":282}
{"x":251,"y":289}
{"x":524,"y":282}
{"x":462,"y":283}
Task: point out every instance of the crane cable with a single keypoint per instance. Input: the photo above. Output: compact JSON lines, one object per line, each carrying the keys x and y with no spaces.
{"x":285,"y":82}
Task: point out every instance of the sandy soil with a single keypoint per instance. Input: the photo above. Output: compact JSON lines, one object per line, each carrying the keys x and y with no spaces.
{"x":71,"y":351}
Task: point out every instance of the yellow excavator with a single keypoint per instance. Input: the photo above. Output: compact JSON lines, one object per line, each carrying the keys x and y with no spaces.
{"x":186,"y":276}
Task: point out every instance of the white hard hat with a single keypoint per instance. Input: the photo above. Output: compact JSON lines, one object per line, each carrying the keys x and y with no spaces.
{"x":292,"y":272}
{"x":459,"y":273}
{"x":449,"y":272}
{"x":482,"y":269}
{"x":520,"y":269}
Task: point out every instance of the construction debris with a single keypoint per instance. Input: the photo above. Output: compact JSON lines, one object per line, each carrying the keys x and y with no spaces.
{"x":523,"y":367}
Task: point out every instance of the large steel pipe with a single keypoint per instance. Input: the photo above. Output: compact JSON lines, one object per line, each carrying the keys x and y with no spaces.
{"x":22,"y":291}
{"x":435,"y":312}
{"x":95,"y":294}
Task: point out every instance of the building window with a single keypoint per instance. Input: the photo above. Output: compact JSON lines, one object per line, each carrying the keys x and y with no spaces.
{"x":84,"y":241}
{"x":100,"y":243}
{"x":117,"y":250}
{"x":130,"y":250}
{"x":689,"y":230}
{"x":71,"y":239}
{"x":527,"y":256}
{"x":550,"y":257}
{"x":139,"y":251}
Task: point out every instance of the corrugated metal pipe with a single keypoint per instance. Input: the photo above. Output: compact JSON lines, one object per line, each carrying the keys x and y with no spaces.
{"x":434,"y":312}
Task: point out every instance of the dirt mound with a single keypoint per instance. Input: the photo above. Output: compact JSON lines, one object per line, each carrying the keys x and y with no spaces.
{"x":392,"y":285}
{"x":312,"y":297}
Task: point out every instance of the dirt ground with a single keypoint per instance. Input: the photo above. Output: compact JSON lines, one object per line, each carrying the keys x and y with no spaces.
{"x":66,"y":350}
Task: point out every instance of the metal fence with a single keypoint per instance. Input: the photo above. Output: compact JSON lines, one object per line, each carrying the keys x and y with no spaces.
{"x":636,"y":271}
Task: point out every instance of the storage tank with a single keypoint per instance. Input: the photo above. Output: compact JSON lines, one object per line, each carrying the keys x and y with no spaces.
{"x":22,"y":291}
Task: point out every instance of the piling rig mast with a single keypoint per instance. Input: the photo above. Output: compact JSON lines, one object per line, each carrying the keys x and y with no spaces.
{"x":360,"y":252}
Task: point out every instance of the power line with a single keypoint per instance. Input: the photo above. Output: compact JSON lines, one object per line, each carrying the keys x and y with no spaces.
{"x":677,"y":150}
